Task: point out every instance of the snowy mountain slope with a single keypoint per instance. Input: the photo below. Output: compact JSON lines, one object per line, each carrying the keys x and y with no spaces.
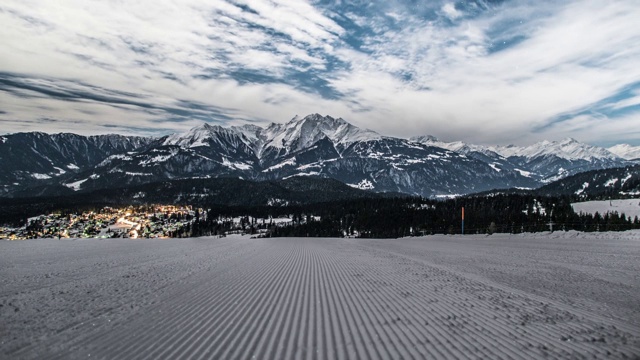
{"x":314,"y":145}
{"x":545,"y":161}
{"x":569,"y":149}
{"x":605,"y":183}
{"x":300,"y":133}
{"x":626,"y":151}
{"x":35,"y":157}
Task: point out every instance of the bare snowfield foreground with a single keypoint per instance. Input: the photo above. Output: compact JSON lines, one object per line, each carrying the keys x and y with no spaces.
{"x":560,"y":295}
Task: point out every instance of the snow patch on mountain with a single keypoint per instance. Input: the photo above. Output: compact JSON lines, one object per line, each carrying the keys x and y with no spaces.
{"x":111,"y":158}
{"x":363,"y":185}
{"x":76,"y":185}
{"x":60,"y":171}
{"x":236,"y":165}
{"x":291,"y":161}
{"x":310,"y":173}
{"x":584,"y":187}
{"x":562,"y":173}
{"x":611,"y":182}
{"x":39,"y":176}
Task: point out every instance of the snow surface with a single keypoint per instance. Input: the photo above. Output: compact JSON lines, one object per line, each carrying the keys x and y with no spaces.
{"x":72,"y":167}
{"x":630,"y":207}
{"x":530,"y":296}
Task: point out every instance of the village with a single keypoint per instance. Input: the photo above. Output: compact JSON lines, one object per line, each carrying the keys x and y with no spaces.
{"x":139,"y":222}
{"x":157,"y":221}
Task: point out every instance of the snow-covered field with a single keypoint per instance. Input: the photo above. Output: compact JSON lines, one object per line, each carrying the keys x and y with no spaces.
{"x":532,"y":296}
{"x":630,"y":207}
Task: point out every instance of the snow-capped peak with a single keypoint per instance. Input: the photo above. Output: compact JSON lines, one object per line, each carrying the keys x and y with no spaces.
{"x":457,"y":146}
{"x":567,"y":148}
{"x":299,"y":133}
{"x":626,"y":151}
{"x":431,"y":140}
{"x":195,"y":137}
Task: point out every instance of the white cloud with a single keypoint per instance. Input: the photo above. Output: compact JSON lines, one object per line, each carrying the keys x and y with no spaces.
{"x":565,"y":62}
{"x":503,"y":76}
{"x":450,"y":11}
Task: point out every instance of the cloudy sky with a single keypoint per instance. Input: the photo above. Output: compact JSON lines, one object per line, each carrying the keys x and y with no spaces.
{"x":487,"y":72}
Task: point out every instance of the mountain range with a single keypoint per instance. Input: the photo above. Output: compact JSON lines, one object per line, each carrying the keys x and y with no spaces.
{"x":59,"y":164}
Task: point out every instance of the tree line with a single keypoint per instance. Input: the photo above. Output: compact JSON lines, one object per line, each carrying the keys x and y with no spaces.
{"x":412,"y":216}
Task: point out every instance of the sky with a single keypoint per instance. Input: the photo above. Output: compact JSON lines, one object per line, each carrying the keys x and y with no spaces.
{"x":484,"y":72}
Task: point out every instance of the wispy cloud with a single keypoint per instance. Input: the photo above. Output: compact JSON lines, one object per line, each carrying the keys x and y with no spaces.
{"x":490,"y":72}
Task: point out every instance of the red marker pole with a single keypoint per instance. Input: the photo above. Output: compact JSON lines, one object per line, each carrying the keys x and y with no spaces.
{"x":463,"y":220}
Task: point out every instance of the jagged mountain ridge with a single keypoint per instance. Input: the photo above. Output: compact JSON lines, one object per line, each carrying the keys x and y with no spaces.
{"x":626,"y":151}
{"x":545,"y":161}
{"x":313,"y":146}
{"x":29,"y":158}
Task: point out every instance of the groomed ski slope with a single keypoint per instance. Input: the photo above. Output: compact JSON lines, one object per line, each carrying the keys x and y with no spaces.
{"x":561,"y":295}
{"x":630,"y":207}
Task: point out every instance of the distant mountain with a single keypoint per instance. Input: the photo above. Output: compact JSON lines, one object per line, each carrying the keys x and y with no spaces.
{"x":626,"y":151}
{"x":39,"y":164}
{"x":595,"y":184}
{"x":311,"y":146}
{"x":545,"y":161}
{"x":29,"y":158}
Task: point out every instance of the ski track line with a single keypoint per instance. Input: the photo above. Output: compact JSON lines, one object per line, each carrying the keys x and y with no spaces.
{"x":576,"y":310}
{"x":543,"y":335}
{"x":198,"y":309}
{"x":394,"y":337}
{"x":306,"y":298}
{"x":150,"y":332}
{"x":359,"y":322}
{"x":488,"y":324}
{"x":283,"y":314}
{"x":384,"y":299}
{"x":91,"y":284}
